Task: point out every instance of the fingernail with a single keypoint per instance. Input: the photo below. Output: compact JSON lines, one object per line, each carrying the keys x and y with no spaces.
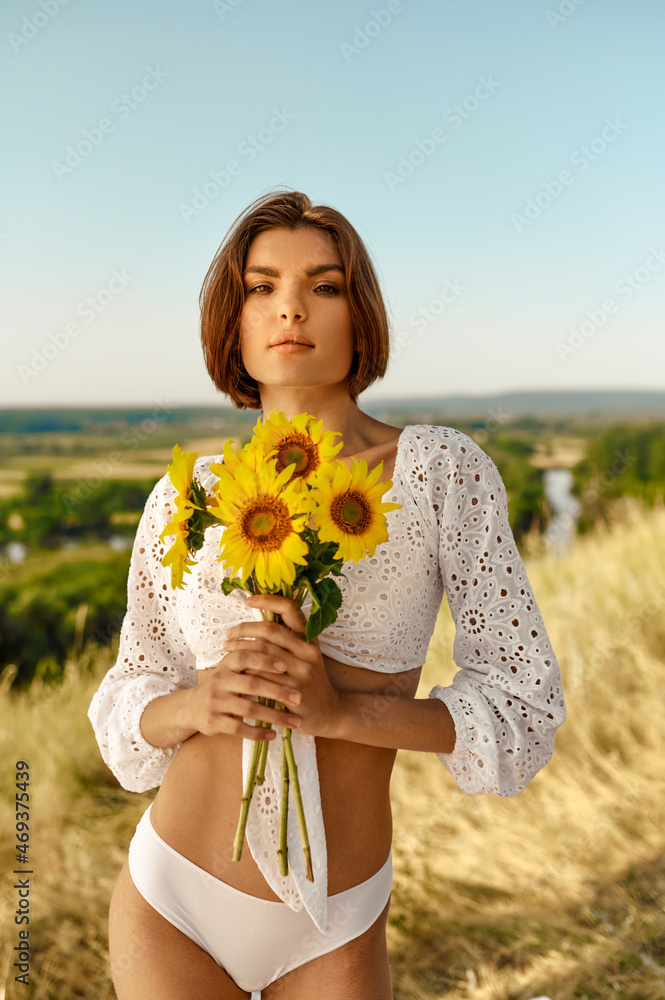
{"x":294,"y":721}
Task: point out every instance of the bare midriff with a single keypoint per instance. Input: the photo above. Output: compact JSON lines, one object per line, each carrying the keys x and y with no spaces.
{"x":197,"y":806}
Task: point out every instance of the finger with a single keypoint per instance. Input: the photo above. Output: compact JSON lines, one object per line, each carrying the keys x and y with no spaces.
{"x":274,"y":633}
{"x":236,"y":708}
{"x":275,"y":716}
{"x":278,"y":658}
{"x":262,"y":657}
{"x":233,"y":725}
{"x":256,"y":687}
{"x":292,"y":615}
{"x":239,"y":728}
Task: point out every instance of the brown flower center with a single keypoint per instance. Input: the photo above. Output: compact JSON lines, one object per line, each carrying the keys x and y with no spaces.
{"x":265,"y":523}
{"x":351,"y":512}
{"x":298,"y":448}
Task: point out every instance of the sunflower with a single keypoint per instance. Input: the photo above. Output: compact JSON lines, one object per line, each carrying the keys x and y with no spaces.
{"x":300,"y":442}
{"x":250,"y":454}
{"x":258,"y":509}
{"x":178,"y":556}
{"x":181,"y":473}
{"x":348,"y":509}
{"x":181,"y":469}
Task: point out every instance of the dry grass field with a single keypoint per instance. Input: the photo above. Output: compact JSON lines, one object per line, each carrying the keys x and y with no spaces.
{"x":557,"y":892}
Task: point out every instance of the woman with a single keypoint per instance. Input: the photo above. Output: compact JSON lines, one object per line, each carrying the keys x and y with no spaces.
{"x":293,"y":320}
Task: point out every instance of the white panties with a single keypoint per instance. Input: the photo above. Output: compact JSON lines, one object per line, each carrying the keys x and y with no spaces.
{"x":254,"y":940}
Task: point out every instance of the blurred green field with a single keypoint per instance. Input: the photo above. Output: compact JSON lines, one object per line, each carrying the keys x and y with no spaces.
{"x":79,"y":458}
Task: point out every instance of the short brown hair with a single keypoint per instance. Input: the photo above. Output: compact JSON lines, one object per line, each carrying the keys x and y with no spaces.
{"x":223,"y":294}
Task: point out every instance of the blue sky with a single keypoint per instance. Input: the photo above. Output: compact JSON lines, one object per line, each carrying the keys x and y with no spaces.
{"x":522,"y":246}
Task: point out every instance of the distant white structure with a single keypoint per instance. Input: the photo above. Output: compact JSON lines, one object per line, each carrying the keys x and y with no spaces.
{"x":561,"y":529}
{"x":16,"y":552}
{"x":120,"y":542}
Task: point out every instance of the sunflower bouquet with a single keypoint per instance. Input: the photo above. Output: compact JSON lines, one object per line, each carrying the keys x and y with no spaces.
{"x":293,"y":514}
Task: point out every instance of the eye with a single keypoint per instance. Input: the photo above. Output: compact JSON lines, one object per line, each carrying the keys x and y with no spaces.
{"x":326,"y":289}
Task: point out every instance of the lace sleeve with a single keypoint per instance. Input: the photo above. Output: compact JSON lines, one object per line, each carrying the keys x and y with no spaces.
{"x":506,"y":700}
{"x":153,"y":657}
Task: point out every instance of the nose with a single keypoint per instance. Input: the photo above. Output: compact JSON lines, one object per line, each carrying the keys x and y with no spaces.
{"x":291,"y":305}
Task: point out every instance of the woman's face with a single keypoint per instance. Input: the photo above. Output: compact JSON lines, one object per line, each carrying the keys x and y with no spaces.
{"x":295,"y":328}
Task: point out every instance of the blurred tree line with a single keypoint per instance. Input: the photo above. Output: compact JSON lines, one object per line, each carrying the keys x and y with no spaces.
{"x":38,"y":614}
{"x":39,"y":609}
{"x":54,"y":512}
{"x":523,"y":482}
{"x":623,"y":460}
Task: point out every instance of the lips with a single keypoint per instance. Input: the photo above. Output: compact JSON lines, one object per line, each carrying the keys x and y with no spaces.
{"x":291,"y":338}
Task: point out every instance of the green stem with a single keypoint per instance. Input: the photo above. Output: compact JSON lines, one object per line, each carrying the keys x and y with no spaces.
{"x":246,"y":799}
{"x":283,"y":851}
{"x":261,"y":772}
{"x":287,"y":748}
{"x":263,"y":755}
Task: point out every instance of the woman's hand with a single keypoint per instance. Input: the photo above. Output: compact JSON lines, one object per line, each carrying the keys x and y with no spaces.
{"x":224,"y":695}
{"x":313,"y":697}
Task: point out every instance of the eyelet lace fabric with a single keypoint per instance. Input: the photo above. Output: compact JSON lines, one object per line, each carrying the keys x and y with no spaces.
{"x":451,"y":535}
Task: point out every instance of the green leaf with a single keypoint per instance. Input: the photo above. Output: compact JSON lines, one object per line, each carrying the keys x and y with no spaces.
{"x":232,"y":583}
{"x":197,"y":525}
{"x":316,"y":569}
{"x":326,"y":602}
{"x":197,"y":494}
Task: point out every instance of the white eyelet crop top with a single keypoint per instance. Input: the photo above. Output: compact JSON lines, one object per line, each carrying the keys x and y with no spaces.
{"x":451,"y":535}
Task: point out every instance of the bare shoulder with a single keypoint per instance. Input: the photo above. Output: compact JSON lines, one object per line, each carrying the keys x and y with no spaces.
{"x":385,"y":434}
{"x":377,"y":442}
